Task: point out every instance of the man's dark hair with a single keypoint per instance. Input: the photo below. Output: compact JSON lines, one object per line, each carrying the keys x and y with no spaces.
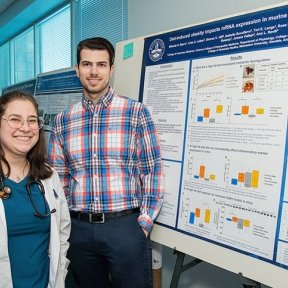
{"x":96,"y":43}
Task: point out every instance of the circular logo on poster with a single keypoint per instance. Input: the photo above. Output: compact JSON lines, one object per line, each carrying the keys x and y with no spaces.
{"x":156,"y":50}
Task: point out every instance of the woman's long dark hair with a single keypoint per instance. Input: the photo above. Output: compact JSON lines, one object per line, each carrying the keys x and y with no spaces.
{"x":36,"y":156}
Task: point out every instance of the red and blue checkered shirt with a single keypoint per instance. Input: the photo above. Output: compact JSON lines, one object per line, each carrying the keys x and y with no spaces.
{"x":108,"y":157}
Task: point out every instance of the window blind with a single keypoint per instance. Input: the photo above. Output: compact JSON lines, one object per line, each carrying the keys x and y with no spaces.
{"x":101,"y":18}
{"x":55,"y":41}
{"x":23,"y":54}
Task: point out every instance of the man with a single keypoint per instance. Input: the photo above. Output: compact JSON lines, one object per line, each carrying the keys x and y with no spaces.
{"x":106,"y":151}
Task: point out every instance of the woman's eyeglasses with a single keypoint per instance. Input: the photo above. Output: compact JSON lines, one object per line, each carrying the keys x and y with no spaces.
{"x":17,"y":121}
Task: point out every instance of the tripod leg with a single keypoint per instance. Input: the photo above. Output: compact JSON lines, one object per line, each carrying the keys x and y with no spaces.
{"x":249,"y":283}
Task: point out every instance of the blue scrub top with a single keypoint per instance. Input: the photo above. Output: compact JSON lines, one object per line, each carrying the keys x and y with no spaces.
{"x":28,"y":236}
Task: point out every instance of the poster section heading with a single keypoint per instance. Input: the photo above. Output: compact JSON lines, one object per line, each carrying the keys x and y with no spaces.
{"x":61,"y":82}
{"x":240,"y":33}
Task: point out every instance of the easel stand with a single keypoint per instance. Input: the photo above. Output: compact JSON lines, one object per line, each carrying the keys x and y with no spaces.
{"x":258,"y":285}
{"x":249,"y":283}
{"x":179,"y":267}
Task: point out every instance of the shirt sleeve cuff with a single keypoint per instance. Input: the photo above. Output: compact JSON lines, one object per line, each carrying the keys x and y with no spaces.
{"x":145,"y":221}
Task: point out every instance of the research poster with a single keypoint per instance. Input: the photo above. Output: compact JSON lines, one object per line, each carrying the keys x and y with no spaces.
{"x":218,"y":95}
{"x":55,"y":92}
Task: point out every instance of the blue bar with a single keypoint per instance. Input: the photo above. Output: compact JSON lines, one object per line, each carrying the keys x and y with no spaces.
{"x":192,"y":218}
{"x":200,"y":119}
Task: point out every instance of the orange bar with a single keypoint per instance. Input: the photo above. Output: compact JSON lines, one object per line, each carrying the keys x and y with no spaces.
{"x":197,"y":212}
{"x":245,"y":110}
{"x":206,"y":112}
{"x":202,"y":171}
{"x":241,"y":177}
{"x":235,"y":219}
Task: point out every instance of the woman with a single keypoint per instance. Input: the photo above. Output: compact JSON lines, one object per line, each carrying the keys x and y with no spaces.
{"x":34,"y":217}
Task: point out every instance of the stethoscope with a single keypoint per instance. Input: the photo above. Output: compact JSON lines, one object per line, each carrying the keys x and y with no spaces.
{"x":6,"y":191}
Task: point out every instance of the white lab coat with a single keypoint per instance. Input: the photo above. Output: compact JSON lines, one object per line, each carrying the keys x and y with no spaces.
{"x":59,"y":234}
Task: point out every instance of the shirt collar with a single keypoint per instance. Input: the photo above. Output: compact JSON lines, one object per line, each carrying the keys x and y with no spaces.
{"x":105,"y":100}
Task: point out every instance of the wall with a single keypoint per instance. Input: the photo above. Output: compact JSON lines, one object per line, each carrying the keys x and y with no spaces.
{"x":154,"y":16}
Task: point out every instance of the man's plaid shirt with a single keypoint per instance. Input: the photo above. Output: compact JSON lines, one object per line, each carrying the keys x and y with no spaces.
{"x":108,"y":157}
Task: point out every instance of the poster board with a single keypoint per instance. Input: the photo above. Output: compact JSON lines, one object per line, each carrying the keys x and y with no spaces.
{"x":54,"y":92}
{"x":217,"y":91}
{"x":25,"y":86}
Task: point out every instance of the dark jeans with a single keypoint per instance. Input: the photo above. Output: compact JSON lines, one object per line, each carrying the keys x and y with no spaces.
{"x":116,"y":251}
{"x":69,"y":281}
